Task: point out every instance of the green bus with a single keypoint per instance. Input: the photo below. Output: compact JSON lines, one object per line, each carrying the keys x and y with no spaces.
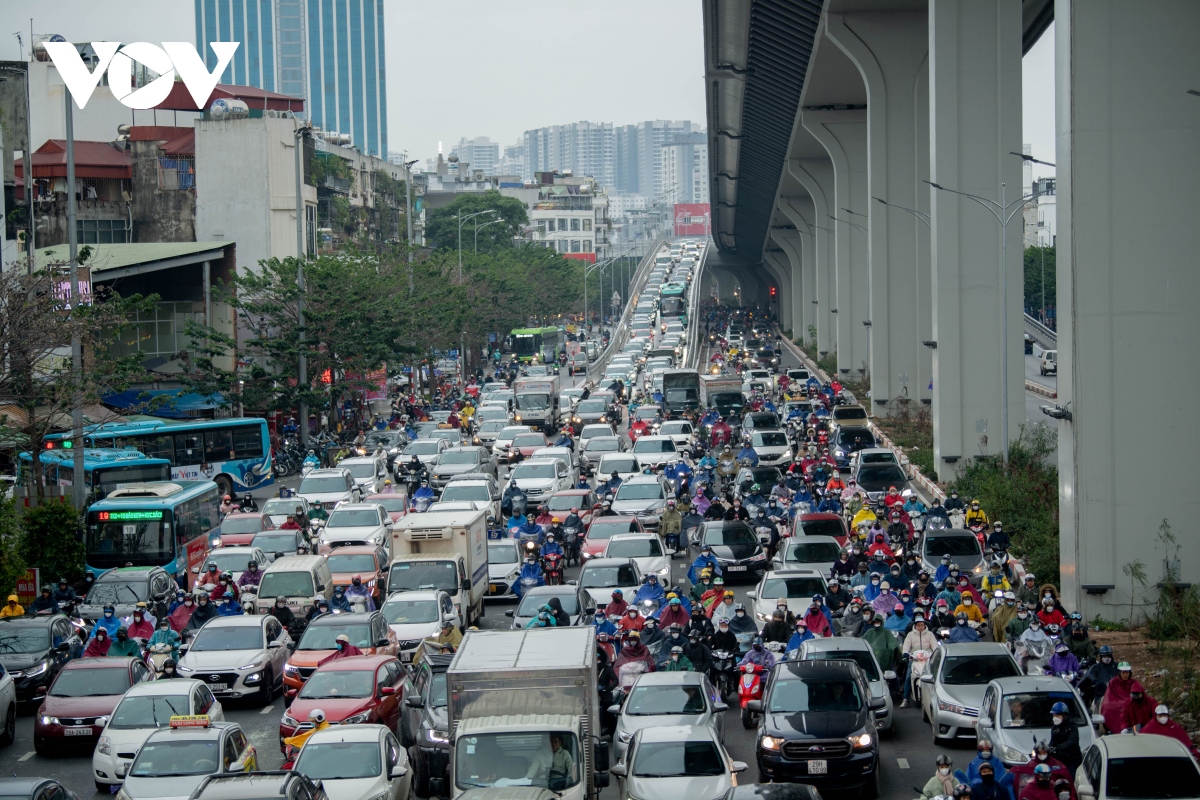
{"x":541,"y":342}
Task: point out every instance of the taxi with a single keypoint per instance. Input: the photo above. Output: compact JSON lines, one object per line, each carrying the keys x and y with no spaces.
{"x":175,"y":760}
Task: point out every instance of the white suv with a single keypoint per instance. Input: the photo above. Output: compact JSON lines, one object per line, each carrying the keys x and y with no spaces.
{"x":326,"y":488}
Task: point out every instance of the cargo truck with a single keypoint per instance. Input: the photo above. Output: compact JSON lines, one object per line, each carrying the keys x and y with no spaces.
{"x":524,"y":711}
{"x":444,"y":550}
{"x":681,"y":392}
{"x":724,"y":393}
{"x":537,"y":402}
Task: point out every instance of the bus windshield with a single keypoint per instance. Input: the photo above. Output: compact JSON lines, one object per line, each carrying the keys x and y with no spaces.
{"x":119,"y":536}
{"x":526,"y":344}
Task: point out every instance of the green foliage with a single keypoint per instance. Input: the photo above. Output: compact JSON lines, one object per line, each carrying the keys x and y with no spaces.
{"x":53,"y":541}
{"x":914,"y":434}
{"x":12,"y":565}
{"x":1102,"y":624}
{"x":1034,"y":258}
{"x":1024,"y":494}
{"x":441,"y":228}
{"x":328,"y":165}
{"x":1177,"y":612}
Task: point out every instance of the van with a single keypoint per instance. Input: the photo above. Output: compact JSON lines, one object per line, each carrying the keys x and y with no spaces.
{"x":298,"y":579}
{"x":1049,"y":363}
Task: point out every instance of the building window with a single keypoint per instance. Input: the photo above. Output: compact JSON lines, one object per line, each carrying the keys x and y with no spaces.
{"x":587,"y":224}
{"x":575,"y":246}
{"x":562,"y":245}
{"x":541,"y":226}
{"x":176,"y":173}
{"x":587,"y":245}
{"x":562,"y":223}
{"x":101,"y":231}
{"x":574,"y":223}
{"x":549,"y":223}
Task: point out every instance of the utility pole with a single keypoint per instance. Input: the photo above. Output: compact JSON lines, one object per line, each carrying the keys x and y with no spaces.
{"x":79,"y":483}
{"x":301,"y":255}
{"x":408,"y":218}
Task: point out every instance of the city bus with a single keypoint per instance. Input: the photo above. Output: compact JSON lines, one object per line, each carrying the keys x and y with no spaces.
{"x":542,"y":342}
{"x":103,"y":470}
{"x":674,"y":306}
{"x":169,"y":524}
{"x":234,"y":453}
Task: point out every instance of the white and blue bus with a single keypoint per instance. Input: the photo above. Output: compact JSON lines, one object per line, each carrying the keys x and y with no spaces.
{"x":233,"y":453}
{"x":103,"y":470}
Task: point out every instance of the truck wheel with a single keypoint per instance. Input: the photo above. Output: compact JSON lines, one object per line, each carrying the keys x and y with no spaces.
{"x":420,"y":781}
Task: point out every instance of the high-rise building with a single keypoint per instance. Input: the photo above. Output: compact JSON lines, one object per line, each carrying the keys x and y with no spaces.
{"x":512,"y":162}
{"x":330,"y":52}
{"x":685,"y":167}
{"x":626,"y":179}
{"x":480,"y":153}
{"x":584,"y":148}
{"x":652,"y":135}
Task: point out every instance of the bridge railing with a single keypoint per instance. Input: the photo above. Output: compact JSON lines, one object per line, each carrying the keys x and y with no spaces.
{"x":1044,"y":336}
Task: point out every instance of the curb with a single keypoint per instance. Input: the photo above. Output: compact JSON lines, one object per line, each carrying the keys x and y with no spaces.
{"x":1036,"y":388}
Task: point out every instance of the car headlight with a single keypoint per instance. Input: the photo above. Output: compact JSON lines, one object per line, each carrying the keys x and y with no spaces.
{"x":37,"y":670}
{"x":48,"y":720}
{"x":758,"y":557}
{"x":357,"y":719}
{"x":770,"y":743}
{"x":288,"y":669}
{"x":104,"y":746}
{"x":1012,"y":754}
{"x":289,"y":720}
{"x":183,"y":668}
{"x":952,"y":708}
{"x":665,"y":572}
{"x":862,"y":741}
{"x":438,"y":736}
{"x":121,"y":794}
{"x":254,"y":665}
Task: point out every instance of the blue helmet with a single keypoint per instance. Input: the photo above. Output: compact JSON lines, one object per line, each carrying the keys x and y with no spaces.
{"x":1059,"y":708}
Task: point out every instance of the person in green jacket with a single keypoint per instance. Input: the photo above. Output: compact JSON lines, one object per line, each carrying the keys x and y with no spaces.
{"x":884,"y":644}
{"x":943,"y":781}
{"x":124,"y":646}
{"x":1018,"y":624}
{"x":678,"y":662}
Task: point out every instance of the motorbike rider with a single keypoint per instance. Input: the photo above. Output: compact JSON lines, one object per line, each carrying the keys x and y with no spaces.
{"x":985,"y":758}
{"x":1081,"y":645}
{"x":937,"y":510}
{"x":251,"y":577}
{"x":953,"y":503}
{"x":829,"y":504}
{"x":229,"y":606}
{"x":123,"y":645}
{"x":1018,"y":624}
{"x":617,"y":606}
{"x":64,"y":593}
{"x":884,"y":644}
{"x":44,"y":602}
{"x":224,"y":588}
{"x":1100,"y":676}
{"x":969,"y":607}
{"x":700,"y":624}
{"x":356,"y":589}
{"x":962,"y":632}
{"x":140,"y":625}
{"x":249,"y":503}
{"x":758,"y":655}
{"x":1034,"y":642}
{"x":777,"y":630}
{"x":898,"y":621}
{"x":227,"y":506}
{"x":564,"y":439}
{"x":943,"y":781}
{"x":737,"y":511}
{"x":817,"y":618}
{"x":551,"y":544}
{"x":698,"y":653}
{"x":920,"y":638}
{"x":742,"y":624}
{"x":975,"y":516}
{"x":164,"y":635}
{"x":1027,"y":592}
{"x":339,"y":601}
{"x":721,"y":434}
{"x":544,"y":518}
{"x":632,"y":651}
{"x":942,"y":618}
{"x":650,"y":590}
{"x":283,"y":613}
{"x":747,"y":455}
{"x":998,"y":539}
{"x":611,"y":485}
{"x":1161,"y":725}
{"x":995,"y":580}
{"x":108,"y":621}
{"x":99,"y":645}
{"x":837,"y":599}
{"x":898,"y":530}
{"x":530,"y":569}
{"x":1002,"y":614}
{"x":424,"y":493}
{"x":310,"y":461}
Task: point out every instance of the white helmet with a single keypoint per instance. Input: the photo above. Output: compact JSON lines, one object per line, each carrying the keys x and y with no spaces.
{"x":316,"y":716}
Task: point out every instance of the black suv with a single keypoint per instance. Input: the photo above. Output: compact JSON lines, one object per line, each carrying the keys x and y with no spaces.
{"x":424,"y":722}
{"x":34,"y":649}
{"x":817,"y":726}
{"x":124,"y":587}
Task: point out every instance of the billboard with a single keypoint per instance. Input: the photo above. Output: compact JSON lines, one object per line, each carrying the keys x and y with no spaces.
{"x":691,"y":219}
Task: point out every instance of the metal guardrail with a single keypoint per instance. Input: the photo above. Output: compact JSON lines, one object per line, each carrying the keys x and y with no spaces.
{"x":1041,"y":334}
{"x":691,"y":361}
{"x":621,"y":331}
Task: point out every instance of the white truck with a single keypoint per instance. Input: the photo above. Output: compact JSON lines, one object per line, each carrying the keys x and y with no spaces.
{"x":537,"y":402}
{"x":523,"y":711}
{"x":444,"y":550}
{"x":723,"y":392}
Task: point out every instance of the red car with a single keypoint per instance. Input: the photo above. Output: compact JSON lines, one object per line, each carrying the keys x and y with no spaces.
{"x":77,"y":704}
{"x":561,"y":503}
{"x":604,"y":528}
{"x":526,"y":443}
{"x":351,"y":691}
{"x":396,"y":504}
{"x":823,"y":524}
{"x":240,"y":527}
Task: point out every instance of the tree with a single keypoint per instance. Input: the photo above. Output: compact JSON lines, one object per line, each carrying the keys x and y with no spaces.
{"x":12,"y":566}
{"x":1034,"y":258}
{"x":441,"y":229}
{"x":52,"y":540}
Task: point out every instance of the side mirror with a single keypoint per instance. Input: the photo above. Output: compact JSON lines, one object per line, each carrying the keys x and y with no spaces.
{"x":398,"y":771}
{"x":889,"y":675}
{"x":195,"y":570}
{"x":926,"y":678}
{"x":739,"y":766}
{"x":754,"y":705}
{"x":320,"y":587}
{"x":414,"y":701}
{"x":183,"y":648}
{"x":290,"y":646}
{"x":720,"y":707}
{"x":1097,"y":719}
{"x":384,"y":642}
{"x":510,"y":612}
{"x":588,"y":610}
{"x":576,"y":583}
{"x":466,"y":585}
{"x":619,"y":770}
{"x":275,"y":645}
{"x":614,"y":709}
{"x":752,"y":594}
{"x":983,"y":722}
{"x":387,"y":690}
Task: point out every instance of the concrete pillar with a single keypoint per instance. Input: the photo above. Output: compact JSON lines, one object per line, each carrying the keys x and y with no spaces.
{"x":890,"y":49}
{"x":843,"y":134}
{"x":816,"y":175}
{"x":975,"y":121}
{"x":779,"y":266}
{"x":799,"y":212}
{"x":1128,"y":288}
{"x":789,"y":242}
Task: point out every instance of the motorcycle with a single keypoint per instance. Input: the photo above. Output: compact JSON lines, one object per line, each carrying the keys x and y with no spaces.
{"x":1033,"y":657}
{"x":157,"y":655}
{"x":958,"y":520}
{"x":248,"y":598}
{"x":552,"y":566}
{"x":723,"y":671}
{"x":750,"y":688}
{"x":627,"y":675}
{"x":918,"y":666}
{"x":570,"y":544}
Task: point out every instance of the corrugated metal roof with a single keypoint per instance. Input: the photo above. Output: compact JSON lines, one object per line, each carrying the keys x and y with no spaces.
{"x":184,"y":145}
{"x":116,"y":256}
{"x":92,"y":160}
{"x":180,"y":99}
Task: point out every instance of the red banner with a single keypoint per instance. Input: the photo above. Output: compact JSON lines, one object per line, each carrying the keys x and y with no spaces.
{"x":691,"y":219}
{"x":588,"y":257}
{"x":196,"y":548}
{"x":27,"y":586}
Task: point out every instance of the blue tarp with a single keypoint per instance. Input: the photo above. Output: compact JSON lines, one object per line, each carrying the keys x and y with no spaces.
{"x":168,"y":403}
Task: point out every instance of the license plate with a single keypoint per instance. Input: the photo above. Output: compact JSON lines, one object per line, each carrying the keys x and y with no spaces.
{"x":218,"y":687}
{"x":86,"y":731}
{"x":492,"y":588}
{"x":736,"y":569}
{"x":819,"y":767}
{"x":406,"y":657}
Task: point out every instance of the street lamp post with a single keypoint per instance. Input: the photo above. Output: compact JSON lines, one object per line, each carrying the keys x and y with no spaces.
{"x":301,"y":220}
{"x":408,"y":218}
{"x":461,"y":219}
{"x":484,"y":225}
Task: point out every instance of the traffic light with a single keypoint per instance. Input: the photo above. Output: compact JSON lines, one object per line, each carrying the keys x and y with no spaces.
{"x":772,"y":291}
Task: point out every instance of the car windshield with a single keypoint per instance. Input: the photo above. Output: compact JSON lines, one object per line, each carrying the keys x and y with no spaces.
{"x":633,"y":548}
{"x":426,"y":447}
{"x":1173,"y":776}
{"x":250,"y":523}
{"x":654,"y":446}
{"x":813,"y":552}
{"x":604,"y":530}
{"x":640,"y":491}
{"x":938,"y":546}
{"x":493,"y":426}
{"x":275,"y":542}
{"x":286,"y":584}
{"x":409,"y":576}
{"x":148,"y":711}
{"x":623,"y":466}
{"x":884,"y":473}
{"x":847,"y":436}
{"x":332,"y":684}
{"x":24,"y":639}
{"x":400,"y":611}
{"x":972,"y":670}
{"x":675,"y":428}
{"x":792,"y":587}
{"x":603,"y":444}
{"x":565,"y":502}
{"x":229,"y":562}
{"x":653,"y":701}
{"x":392,"y":503}
{"x":360,"y":470}
{"x":608,"y":577}
{"x":458,"y":457}
{"x":116,"y":593}
{"x":171,"y":759}
{"x":647,"y":412}
{"x":503,"y":552}
{"x":794,"y":695}
{"x":762,"y":421}
{"x":769,"y":439}
{"x":532,"y":602}
{"x":536,"y":471}
{"x":353,"y":518}
{"x":861,"y":657}
{"x":494,"y":414}
{"x":322,"y":637}
{"x":332,"y":761}
{"x":529,"y":440}
{"x":1032,"y":709}
{"x":351,"y":562}
{"x":383,"y":438}
{"x":240,"y":637}
{"x":467,"y":491}
{"x":322,"y":484}
{"x":678,"y":760}
{"x":590,"y":406}
{"x":280,"y":506}
{"x":737,"y":533}
{"x":112,"y":680}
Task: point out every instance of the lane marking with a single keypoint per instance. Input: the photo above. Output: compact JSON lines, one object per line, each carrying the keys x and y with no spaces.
{"x":267,"y":710}
{"x":902,"y":763}
{"x":27,"y":756}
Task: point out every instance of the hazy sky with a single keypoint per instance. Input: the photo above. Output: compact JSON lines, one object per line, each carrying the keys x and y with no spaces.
{"x":471,"y":68}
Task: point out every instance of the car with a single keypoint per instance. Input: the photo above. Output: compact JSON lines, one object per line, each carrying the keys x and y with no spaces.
{"x":263,"y":784}
{"x":736,"y":547}
{"x":561,"y":503}
{"x":124,"y":587}
{"x":492,"y":413}
{"x":647,"y":552}
{"x":423,"y":429}
{"x":424,"y":723}
{"x":821,"y":523}
{"x":395,"y":503}
{"x":427,"y":452}
{"x":673,"y":761}
{"x":176,"y":759}
{"x":771,"y":446}
{"x":876,"y":479}
{"x":278,"y":508}
{"x":852,"y":648}
{"x":873,"y":455}
{"x":359,"y":761}
{"x":596,"y":429}
{"x":667,"y":698}
{"x":798,"y":374}
{"x":963,"y":548}
{"x":79,"y":701}
{"x":817,"y":553}
{"x":525,"y":444}
{"x":563,"y":454}
{"x":569,"y":397}
{"x":351,"y":691}
{"x":954,"y":682}
{"x":1126,"y":766}
{"x":1049,"y":363}
{"x":679,"y":430}
{"x":234,"y":559}
{"x":600,"y":576}
{"x":505,"y":438}
{"x":474,"y":487}
{"x":485,"y":434}
{"x":416,"y":616}
{"x":603,"y":528}
{"x":368,"y":562}
{"x":33,"y":650}
{"x":239,"y":527}
{"x":574,"y":600}
{"x":368,"y":632}
{"x":854,"y":416}
{"x":798,"y":585}
{"x":392,"y":443}
{"x":847,"y":441}
{"x":655,"y":451}
{"x":280,"y":542}
{"x":592,"y":411}
{"x":817,"y":725}
{"x":504,"y":567}
{"x":238,"y":657}
{"x":539,"y":478}
{"x":1016,"y":711}
{"x":626,"y":466}
{"x":369,"y":472}
{"x":144,"y":709}
{"x":461,"y":461}
{"x":647,"y":414}
{"x":325,"y":488}
{"x":357,"y":525}
{"x":450,"y":435}
{"x":643,"y":496}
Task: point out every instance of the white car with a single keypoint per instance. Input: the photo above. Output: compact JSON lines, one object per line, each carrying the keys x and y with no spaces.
{"x":238,"y":656}
{"x":647,"y":552}
{"x":426,"y":451}
{"x":807,"y":552}
{"x":563,"y":454}
{"x":797,"y":585}
{"x":624,"y":464}
{"x":666,"y":762}
{"x":680,"y":431}
{"x":417,"y":616}
{"x":504,"y":567}
{"x":356,"y":761}
{"x":355,"y":524}
{"x":326,"y":488}
{"x":176,"y":760}
{"x":595,"y":429}
{"x":145,"y":708}
{"x":234,"y":560}
{"x":278,"y":508}
{"x":476,"y":488}
{"x":8,"y":708}
{"x":600,"y":576}
{"x":771,"y":447}
{"x":1126,"y":766}
{"x":539,"y":478}
{"x":655,"y":451}
{"x":643,"y":496}
{"x":369,"y":472}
